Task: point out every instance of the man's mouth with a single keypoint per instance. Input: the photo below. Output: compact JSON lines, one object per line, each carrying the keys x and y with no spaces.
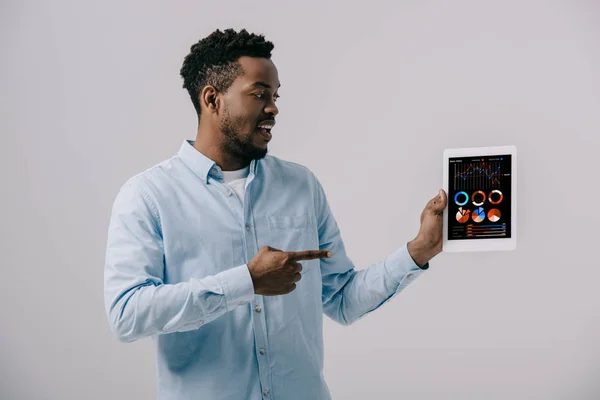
{"x":264,"y":128}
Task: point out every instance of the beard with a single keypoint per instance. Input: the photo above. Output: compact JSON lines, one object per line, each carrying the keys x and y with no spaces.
{"x":237,"y":143}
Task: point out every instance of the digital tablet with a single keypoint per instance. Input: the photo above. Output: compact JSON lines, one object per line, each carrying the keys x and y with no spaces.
{"x":481,"y":184}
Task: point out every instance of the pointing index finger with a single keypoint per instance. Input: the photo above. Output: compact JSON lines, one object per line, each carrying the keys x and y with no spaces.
{"x":309,"y":254}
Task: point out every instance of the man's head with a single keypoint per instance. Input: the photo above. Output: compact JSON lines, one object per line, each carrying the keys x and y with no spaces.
{"x":233,"y":85}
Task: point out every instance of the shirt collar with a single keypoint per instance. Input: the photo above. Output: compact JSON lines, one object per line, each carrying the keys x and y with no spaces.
{"x":203,"y":166}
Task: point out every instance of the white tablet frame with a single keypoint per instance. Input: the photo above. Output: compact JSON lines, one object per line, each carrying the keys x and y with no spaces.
{"x":504,"y":244}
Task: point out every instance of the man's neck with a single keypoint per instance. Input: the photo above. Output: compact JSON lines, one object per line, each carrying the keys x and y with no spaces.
{"x":212,"y":149}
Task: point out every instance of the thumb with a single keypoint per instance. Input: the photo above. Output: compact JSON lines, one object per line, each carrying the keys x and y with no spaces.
{"x":438,"y":203}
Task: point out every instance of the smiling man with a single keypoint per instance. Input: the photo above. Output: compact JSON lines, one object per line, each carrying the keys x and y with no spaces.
{"x":228,"y":257}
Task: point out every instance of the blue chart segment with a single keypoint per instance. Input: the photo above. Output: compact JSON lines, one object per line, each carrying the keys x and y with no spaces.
{"x":478,"y":215}
{"x":461,"y":198}
{"x":480,"y":188}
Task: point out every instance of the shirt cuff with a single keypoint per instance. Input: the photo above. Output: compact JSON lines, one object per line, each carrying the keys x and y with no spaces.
{"x":400,"y":264}
{"x":237,"y":286}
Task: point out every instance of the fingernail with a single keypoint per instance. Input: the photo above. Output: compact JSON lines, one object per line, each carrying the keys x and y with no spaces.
{"x":328,"y":254}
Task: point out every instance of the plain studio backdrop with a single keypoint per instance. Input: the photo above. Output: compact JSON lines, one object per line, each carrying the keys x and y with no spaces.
{"x":372,"y":93}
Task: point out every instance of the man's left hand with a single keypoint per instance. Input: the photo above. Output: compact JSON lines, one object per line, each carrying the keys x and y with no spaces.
{"x":428,"y":242}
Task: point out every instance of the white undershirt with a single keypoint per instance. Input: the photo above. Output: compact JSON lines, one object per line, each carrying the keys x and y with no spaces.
{"x":237,"y":181}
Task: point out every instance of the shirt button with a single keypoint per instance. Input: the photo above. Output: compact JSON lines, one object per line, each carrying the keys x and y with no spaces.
{"x":262,"y":351}
{"x":247,"y":227}
{"x":241,"y":303}
{"x":409,"y":276}
{"x":228,"y":193}
{"x":266,"y":392}
{"x":257,"y":308}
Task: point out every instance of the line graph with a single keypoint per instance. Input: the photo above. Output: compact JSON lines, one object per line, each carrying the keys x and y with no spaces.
{"x":477,"y":174}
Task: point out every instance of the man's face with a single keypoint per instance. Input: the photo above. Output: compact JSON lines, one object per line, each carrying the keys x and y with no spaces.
{"x":248,"y":104}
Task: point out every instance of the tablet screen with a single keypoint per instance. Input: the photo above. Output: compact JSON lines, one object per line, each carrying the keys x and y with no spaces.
{"x":479,"y":191}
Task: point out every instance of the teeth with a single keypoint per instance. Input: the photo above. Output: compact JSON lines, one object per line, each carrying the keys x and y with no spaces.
{"x":267,"y":124}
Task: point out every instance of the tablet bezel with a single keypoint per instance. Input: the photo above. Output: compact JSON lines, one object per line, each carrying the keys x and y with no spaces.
{"x":461,"y":245}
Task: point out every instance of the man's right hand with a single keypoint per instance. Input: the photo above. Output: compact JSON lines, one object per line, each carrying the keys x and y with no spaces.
{"x":276,"y":272}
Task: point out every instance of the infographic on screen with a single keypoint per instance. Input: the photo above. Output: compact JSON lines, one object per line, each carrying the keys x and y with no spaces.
{"x":479,"y":197}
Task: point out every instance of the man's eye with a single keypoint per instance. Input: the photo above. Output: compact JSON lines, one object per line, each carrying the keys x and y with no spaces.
{"x":261,"y":95}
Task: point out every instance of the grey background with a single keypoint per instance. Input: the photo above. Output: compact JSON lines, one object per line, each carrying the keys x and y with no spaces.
{"x":372,"y":92}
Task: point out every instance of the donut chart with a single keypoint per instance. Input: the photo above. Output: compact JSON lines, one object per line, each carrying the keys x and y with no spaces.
{"x":479,"y":198}
{"x":496,"y":194}
{"x":461,"y":194}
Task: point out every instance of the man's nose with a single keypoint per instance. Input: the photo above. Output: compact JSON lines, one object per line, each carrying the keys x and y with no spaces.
{"x":271,"y":109}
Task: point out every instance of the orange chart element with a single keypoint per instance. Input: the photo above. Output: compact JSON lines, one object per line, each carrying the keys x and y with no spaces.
{"x":479,"y":203}
{"x":478,"y":214}
{"x":494,"y":215}
{"x":462,"y":215}
{"x":501,"y":196}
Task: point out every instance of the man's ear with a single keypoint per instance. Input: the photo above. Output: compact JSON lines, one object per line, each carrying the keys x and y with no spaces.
{"x":209,"y":99}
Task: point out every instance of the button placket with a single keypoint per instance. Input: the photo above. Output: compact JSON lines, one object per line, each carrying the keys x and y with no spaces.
{"x":258,"y":316}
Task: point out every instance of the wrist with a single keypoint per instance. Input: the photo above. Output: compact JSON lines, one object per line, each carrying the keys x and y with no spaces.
{"x":420,"y":253}
{"x":253,"y":277}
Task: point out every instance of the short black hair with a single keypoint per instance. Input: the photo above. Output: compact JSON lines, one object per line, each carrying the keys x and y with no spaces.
{"x":214,"y":60}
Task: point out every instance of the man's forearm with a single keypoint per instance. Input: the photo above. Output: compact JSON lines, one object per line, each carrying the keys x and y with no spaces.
{"x":149,"y":310}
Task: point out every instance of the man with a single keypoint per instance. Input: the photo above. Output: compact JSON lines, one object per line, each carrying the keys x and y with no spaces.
{"x":228,"y":257}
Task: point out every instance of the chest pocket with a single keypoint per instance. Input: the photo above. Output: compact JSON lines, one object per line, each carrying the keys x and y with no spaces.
{"x":292,"y":232}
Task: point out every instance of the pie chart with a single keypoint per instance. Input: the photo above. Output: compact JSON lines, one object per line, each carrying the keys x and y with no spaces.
{"x":478,"y":215}
{"x":494,"y":215}
{"x":462,"y":215}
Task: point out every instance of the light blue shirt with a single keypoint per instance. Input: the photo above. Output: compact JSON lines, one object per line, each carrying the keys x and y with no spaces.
{"x":179,"y":241}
